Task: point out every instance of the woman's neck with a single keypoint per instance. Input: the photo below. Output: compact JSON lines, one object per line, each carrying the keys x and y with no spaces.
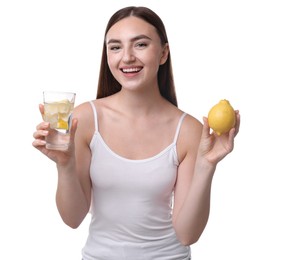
{"x":139,"y":103}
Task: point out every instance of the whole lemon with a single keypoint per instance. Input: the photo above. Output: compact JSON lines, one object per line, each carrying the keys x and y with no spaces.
{"x":221,"y":117}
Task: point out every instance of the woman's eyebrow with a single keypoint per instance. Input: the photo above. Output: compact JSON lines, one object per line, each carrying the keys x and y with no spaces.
{"x":136,"y":38}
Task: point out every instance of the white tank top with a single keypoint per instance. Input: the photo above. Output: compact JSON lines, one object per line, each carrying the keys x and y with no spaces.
{"x":132,"y":205}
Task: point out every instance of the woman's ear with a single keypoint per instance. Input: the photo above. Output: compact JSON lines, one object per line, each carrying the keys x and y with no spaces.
{"x":165,"y":54}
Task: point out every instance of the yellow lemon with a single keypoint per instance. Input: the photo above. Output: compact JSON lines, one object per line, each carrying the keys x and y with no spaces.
{"x":221,"y":117}
{"x":61,"y":124}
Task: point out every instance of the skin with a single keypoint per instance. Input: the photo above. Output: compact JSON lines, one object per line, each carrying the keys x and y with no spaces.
{"x":138,"y":115}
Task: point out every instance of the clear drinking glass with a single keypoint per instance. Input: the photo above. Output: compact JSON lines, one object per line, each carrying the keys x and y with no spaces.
{"x":58,"y":107}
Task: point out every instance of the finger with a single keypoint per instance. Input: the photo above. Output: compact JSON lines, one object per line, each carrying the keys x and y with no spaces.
{"x":238,"y":120}
{"x":231,"y":136}
{"x":73,"y":129}
{"x":40,"y":134}
{"x":206,"y":128}
{"x":41,"y":109}
{"x":38,"y":143}
{"x":43,"y":126}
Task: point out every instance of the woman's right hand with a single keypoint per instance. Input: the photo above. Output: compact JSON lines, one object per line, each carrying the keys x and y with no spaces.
{"x":60,"y":157}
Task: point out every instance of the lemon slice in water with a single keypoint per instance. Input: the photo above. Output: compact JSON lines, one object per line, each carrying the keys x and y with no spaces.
{"x":61,"y":124}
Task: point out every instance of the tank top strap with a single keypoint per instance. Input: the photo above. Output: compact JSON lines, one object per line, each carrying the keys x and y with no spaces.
{"x":95,"y":116}
{"x":178,"y":127}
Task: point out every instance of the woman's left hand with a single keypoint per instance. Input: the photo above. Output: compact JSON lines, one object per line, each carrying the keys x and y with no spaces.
{"x":214,"y":147}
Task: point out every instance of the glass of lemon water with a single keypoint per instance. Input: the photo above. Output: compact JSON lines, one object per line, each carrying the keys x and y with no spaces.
{"x":58,"y":107}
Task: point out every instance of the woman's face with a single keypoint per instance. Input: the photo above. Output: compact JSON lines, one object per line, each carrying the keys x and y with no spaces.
{"x":134,"y":53}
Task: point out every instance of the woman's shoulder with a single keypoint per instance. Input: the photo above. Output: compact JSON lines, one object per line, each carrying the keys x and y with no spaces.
{"x":189,"y":120}
{"x":189,"y":135}
{"x":82,"y":109}
{"x":191,"y":127}
{"x":85,"y":111}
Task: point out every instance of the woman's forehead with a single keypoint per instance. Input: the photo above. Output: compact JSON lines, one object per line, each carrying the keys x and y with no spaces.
{"x":130,"y":27}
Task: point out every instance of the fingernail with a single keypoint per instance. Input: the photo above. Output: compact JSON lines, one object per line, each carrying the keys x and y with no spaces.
{"x":45,"y":132}
{"x":41,"y":142}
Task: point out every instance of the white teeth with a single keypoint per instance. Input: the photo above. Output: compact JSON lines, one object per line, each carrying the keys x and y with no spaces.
{"x":131,"y":70}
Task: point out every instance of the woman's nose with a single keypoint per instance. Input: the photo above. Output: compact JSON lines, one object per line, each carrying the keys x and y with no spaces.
{"x":128,"y":55}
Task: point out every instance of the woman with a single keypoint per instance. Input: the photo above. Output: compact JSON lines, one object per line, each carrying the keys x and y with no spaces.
{"x":142,"y":166}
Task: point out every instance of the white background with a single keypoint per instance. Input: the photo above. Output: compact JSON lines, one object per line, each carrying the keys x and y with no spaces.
{"x":220,"y":49}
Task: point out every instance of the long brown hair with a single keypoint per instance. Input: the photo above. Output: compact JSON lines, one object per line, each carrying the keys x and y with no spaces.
{"x":108,"y":85}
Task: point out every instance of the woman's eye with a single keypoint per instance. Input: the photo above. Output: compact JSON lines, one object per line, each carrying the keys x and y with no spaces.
{"x":141,"y":45}
{"x":114,"y":48}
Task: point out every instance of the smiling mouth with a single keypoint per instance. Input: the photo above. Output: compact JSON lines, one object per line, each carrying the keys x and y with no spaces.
{"x":131,"y":70}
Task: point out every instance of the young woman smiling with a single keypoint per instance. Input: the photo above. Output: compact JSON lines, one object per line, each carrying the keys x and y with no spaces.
{"x":138,"y":163}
